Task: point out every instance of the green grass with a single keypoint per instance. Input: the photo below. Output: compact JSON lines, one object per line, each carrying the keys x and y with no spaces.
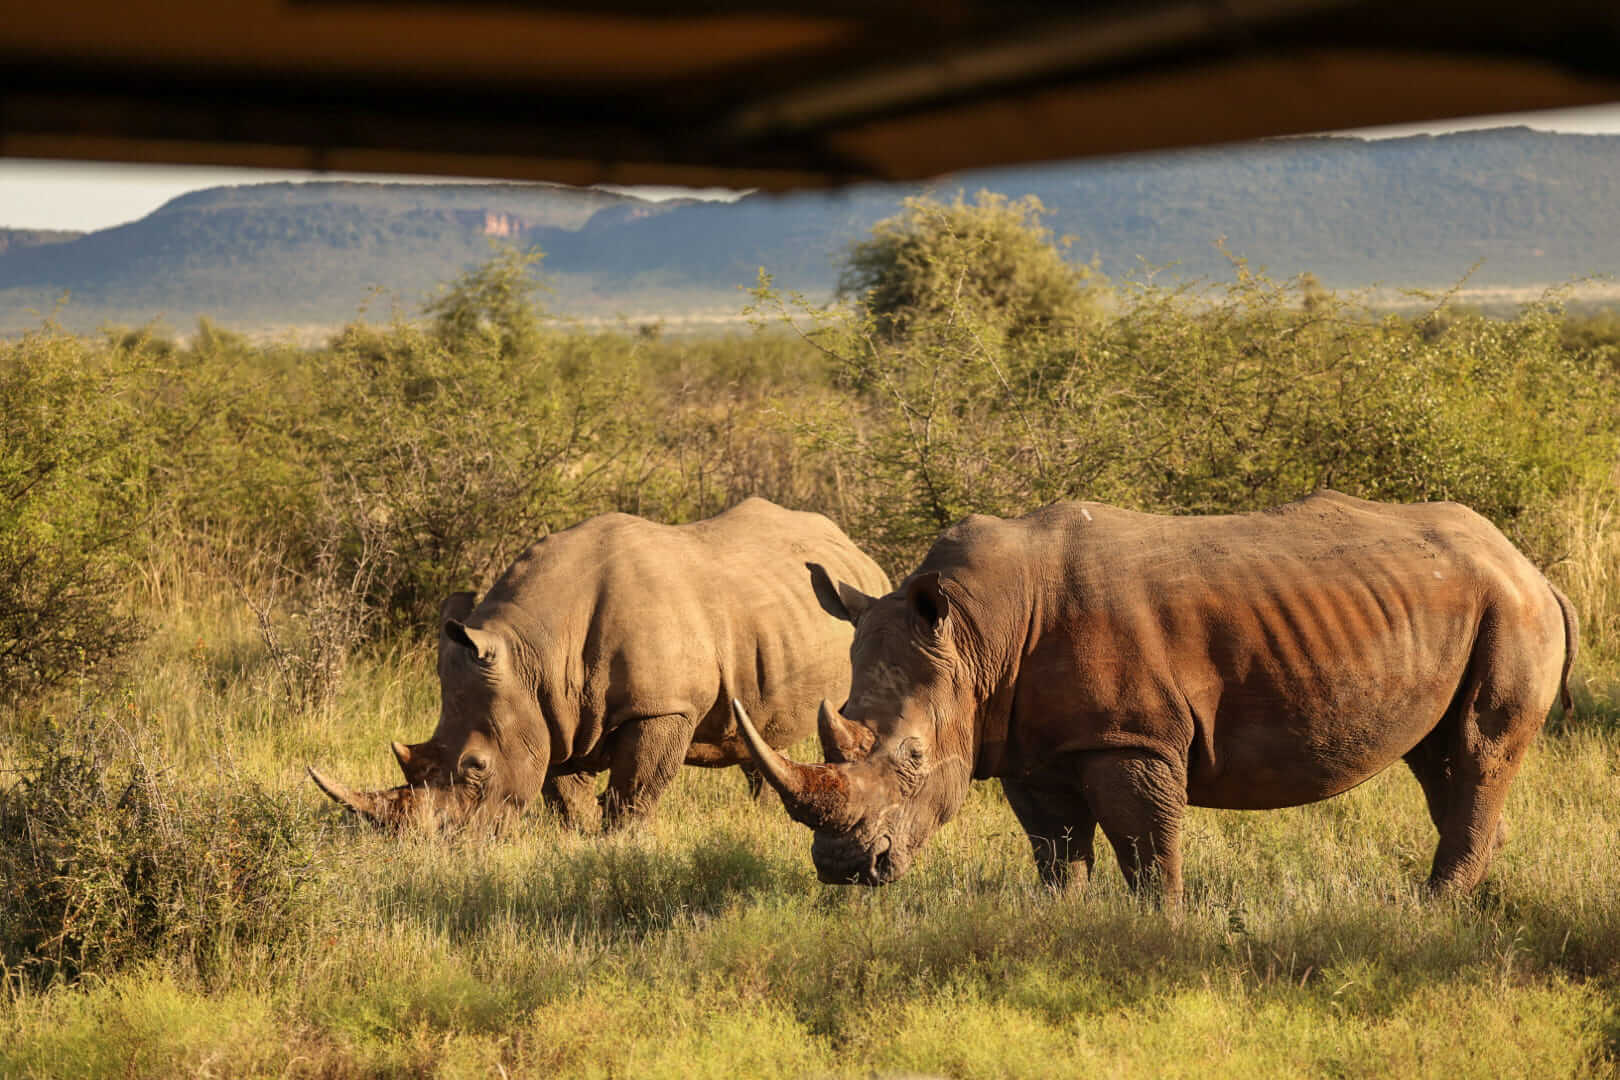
{"x":700,"y":943}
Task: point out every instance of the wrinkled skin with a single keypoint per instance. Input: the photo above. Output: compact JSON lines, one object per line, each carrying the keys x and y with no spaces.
{"x":1112,"y":668}
{"x":615,"y":646}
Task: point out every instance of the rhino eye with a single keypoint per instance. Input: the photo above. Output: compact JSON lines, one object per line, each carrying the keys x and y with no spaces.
{"x":910,"y":754}
{"x":473,"y":765}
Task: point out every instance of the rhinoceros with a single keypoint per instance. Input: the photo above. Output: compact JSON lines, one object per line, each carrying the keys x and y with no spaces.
{"x":1112,"y":668}
{"x":615,"y":645}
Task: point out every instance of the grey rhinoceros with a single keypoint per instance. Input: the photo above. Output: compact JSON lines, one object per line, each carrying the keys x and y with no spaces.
{"x":1112,"y":668}
{"x":616,"y":645}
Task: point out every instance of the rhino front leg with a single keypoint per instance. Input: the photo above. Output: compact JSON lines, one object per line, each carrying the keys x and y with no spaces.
{"x":573,"y":798}
{"x":1139,"y":800}
{"x":1060,"y":828}
{"x":646,"y":755}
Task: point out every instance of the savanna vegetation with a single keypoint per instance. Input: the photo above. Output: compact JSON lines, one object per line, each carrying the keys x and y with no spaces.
{"x":220,"y":560}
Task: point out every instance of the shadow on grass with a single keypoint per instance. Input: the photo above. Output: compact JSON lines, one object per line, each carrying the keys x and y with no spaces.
{"x":1582,"y":944}
{"x":611,"y":887}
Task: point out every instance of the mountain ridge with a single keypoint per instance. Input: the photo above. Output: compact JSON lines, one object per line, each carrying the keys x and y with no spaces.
{"x":1527,"y":207}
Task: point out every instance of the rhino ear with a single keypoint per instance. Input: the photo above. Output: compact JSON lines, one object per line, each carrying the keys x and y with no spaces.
{"x":839,"y":600}
{"x":480,"y":642}
{"x":458,"y":605}
{"x":926,"y":598}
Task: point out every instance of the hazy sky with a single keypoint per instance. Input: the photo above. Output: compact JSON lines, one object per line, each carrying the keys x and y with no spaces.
{"x":75,"y":195}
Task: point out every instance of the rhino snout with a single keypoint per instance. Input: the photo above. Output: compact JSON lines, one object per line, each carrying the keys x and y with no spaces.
{"x":843,"y":860}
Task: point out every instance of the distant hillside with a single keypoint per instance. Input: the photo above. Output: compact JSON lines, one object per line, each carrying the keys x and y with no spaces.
{"x":1535,"y":207}
{"x":16,"y":239}
{"x":287,"y":253}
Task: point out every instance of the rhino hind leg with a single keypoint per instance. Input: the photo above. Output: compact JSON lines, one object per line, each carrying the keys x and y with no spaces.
{"x":1471,"y":836}
{"x":646,"y":755}
{"x":1471,"y":826}
{"x":573,"y":798}
{"x":1430,"y":762}
{"x":1061,"y":831}
{"x":1139,"y":799}
{"x":1465,"y":776}
{"x":1513,"y":679}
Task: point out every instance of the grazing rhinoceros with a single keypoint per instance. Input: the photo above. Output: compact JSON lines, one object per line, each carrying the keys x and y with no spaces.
{"x":617,"y":645}
{"x":1112,"y":668}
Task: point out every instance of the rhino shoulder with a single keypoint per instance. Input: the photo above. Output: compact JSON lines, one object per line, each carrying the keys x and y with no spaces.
{"x":755,"y":512}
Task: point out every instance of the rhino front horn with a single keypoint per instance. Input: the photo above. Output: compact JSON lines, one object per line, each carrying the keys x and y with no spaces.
{"x":814,"y":795}
{"x":366,"y":804}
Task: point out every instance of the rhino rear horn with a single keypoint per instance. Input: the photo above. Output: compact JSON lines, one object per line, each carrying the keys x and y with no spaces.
{"x":414,"y":761}
{"x":841,"y":739}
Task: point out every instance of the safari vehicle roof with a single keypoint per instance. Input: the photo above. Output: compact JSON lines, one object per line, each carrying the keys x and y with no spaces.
{"x":759,"y":93}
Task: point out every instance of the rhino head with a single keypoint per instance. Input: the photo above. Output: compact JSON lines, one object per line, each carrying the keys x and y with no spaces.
{"x":488,"y":756}
{"x":899,"y":752}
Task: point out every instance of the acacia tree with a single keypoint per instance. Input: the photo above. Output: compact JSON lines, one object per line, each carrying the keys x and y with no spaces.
{"x":990,"y":259}
{"x":494,"y":302}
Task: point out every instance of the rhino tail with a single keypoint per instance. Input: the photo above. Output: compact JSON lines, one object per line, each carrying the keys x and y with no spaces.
{"x":1572,"y":644}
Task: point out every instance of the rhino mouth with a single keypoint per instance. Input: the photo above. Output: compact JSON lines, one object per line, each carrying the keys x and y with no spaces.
{"x":880,"y":868}
{"x":872,"y":867}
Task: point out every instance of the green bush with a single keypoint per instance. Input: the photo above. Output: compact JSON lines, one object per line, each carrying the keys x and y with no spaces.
{"x":1594,"y":337}
{"x":492,"y":306}
{"x":978,"y":372}
{"x":397,"y":463}
{"x":989,"y":260}
{"x":435,"y":465}
{"x":111,"y":856}
{"x":74,"y":458}
{"x":1259,"y":394}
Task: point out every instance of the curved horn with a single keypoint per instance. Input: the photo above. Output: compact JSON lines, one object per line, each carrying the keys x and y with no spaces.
{"x":379,"y":808}
{"x":402,"y":754}
{"x":815,"y":795}
{"x":841,"y":739}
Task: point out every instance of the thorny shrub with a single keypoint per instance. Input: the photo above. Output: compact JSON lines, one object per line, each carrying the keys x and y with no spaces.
{"x":110,"y":857}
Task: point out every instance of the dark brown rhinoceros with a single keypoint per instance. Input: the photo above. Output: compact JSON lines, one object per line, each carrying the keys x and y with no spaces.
{"x":617,"y":645}
{"x":1112,"y":668}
